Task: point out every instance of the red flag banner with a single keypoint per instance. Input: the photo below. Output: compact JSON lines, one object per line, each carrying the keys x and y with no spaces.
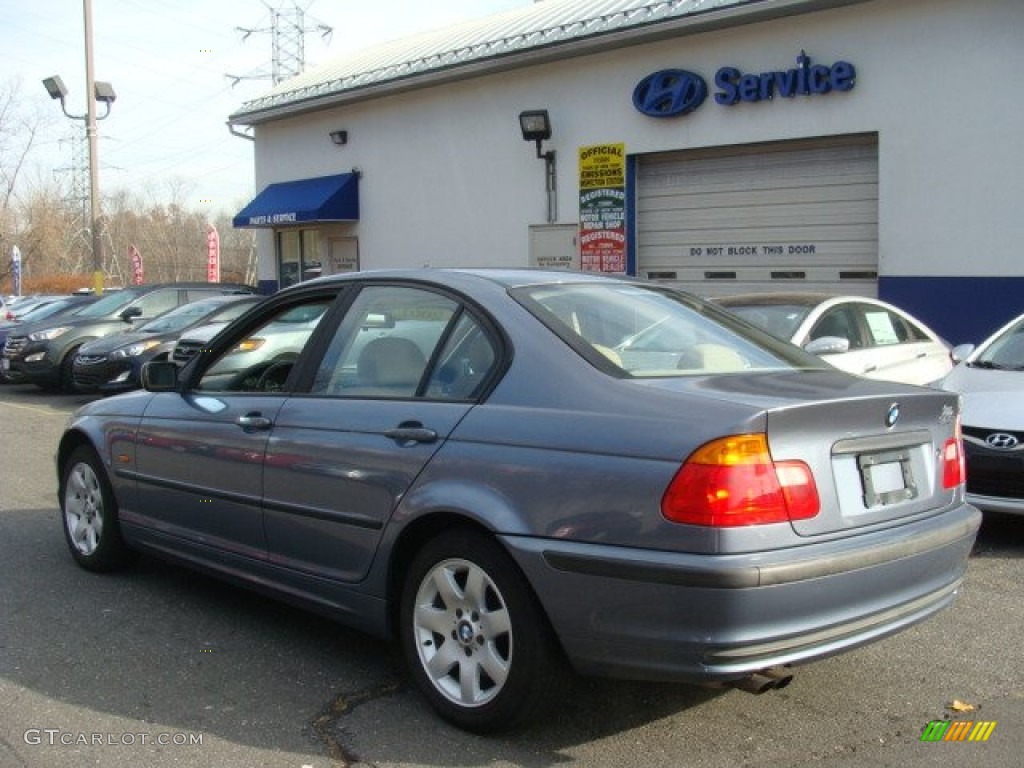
{"x":136,"y":259}
{"x":212,"y":255}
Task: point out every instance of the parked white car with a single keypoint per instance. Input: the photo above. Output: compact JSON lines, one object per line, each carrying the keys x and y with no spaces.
{"x":991,"y":380}
{"x":859,"y":335}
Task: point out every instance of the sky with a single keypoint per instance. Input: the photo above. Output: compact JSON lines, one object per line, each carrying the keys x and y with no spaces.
{"x":168,"y":60}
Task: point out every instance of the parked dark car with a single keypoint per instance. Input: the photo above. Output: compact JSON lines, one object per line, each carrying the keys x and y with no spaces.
{"x":22,"y":305}
{"x":481,"y":464}
{"x":44,"y":353}
{"x":59,"y":307}
{"x":114,"y":363}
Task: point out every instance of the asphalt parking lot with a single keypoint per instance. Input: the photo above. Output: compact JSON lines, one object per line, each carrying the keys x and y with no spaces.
{"x":157,"y":666}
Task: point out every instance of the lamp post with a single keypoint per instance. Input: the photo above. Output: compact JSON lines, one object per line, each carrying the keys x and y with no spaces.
{"x":95,"y":91}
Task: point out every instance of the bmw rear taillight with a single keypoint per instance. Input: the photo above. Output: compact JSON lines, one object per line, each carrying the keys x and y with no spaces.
{"x":733,"y":481}
{"x":954,"y":471}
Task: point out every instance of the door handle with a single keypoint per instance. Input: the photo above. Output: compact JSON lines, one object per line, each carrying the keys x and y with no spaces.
{"x":254,"y":421}
{"x":411,"y":432}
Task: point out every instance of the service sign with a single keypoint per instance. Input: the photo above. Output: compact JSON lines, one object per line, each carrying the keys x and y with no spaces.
{"x":676,"y":92}
{"x":602,"y":182}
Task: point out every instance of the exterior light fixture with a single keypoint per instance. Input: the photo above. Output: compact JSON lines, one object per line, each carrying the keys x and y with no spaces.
{"x":100,"y":92}
{"x":340,"y":138}
{"x":55,"y":87}
{"x":104,"y":92}
{"x":536,"y":127}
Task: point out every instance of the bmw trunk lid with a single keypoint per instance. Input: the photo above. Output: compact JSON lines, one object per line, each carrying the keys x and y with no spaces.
{"x":874,"y":459}
{"x":876,"y":449}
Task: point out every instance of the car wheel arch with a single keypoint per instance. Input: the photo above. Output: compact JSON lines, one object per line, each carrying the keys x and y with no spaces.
{"x":407,"y":543}
{"x":69,"y":442}
{"x":413,"y":537}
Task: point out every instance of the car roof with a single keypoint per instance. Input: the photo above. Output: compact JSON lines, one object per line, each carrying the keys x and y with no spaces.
{"x":803,"y":299}
{"x":510,"y":278}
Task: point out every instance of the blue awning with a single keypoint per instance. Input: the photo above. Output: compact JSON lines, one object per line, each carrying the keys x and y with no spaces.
{"x":326,"y":198}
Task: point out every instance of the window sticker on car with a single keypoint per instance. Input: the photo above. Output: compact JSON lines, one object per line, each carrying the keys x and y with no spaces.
{"x":882,"y":328}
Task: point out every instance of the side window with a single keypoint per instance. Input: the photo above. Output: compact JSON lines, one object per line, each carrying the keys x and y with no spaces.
{"x":157,"y":302}
{"x":195,"y":294}
{"x":465,"y":362}
{"x":887,"y":328}
{"x":908,"y":330}
{"x":840,"y":322}
{"x":263,"y":359}
{"x":389,"y":337}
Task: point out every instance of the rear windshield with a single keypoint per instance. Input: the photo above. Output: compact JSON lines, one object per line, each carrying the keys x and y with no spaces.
{"x":648,"y":331}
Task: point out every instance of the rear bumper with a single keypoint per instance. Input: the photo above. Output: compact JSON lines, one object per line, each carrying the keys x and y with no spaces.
{"x":714,"y":618}
{"x":996,"y":504}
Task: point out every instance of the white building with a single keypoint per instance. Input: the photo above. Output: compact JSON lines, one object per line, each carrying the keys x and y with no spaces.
{"x":855,"y":146}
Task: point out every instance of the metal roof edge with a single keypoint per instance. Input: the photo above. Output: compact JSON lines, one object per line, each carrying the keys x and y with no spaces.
{"x":748,"y":12}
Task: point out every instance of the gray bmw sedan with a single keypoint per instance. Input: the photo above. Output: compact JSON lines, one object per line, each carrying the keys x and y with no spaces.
{"x":517,"y":473}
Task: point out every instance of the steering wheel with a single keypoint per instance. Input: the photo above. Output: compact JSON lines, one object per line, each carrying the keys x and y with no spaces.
{"x":274,"y":376}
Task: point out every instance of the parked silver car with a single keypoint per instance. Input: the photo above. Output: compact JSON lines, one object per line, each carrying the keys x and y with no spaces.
{"x":487,"y":465}
{"x":991,"y":380}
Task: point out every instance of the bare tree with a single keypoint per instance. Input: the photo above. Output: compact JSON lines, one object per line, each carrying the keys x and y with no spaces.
{"x":19,"y":130}
{"x":55,"y":243}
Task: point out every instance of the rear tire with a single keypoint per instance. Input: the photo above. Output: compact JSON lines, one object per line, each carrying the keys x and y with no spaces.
{"x":88,"y":512}
{"x":474,"y":637}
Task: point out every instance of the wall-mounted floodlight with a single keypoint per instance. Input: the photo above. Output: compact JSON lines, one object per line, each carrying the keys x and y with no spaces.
{"x":536,"y":127}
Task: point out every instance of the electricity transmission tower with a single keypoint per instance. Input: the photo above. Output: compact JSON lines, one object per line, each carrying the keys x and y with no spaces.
{"x":77,"y":200}
{"x":288,"y":28}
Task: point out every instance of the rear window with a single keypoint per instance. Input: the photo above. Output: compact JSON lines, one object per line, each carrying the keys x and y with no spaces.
{"x":648,"y":331}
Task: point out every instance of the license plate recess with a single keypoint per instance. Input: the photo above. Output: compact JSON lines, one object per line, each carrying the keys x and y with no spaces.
{"x":887,"y":477}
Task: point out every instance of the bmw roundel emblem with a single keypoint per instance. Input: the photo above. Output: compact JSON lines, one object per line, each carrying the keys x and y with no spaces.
{"x":893,"y":415}
{"x":669,"y":92}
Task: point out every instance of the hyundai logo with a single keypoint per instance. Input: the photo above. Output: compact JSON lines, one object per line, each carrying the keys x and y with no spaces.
{"x":669,"y":92}
{"x":893,"y":415}
{"x":1002,"y":441}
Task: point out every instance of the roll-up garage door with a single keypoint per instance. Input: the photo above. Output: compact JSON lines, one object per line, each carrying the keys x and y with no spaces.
{"x":796,"y":215}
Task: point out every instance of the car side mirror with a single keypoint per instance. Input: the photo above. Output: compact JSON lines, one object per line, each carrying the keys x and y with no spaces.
{"x":131,"y":313}
{"x":828,"y":345}
{"x":160,"y":376}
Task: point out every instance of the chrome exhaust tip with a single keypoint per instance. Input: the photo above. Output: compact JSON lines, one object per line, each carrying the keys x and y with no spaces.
{"x":764,"y":680}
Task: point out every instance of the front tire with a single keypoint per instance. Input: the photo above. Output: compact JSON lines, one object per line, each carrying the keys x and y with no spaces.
{"x":474,"y":637}
{"x":89,"y":513}
{"x":67,"y":372}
